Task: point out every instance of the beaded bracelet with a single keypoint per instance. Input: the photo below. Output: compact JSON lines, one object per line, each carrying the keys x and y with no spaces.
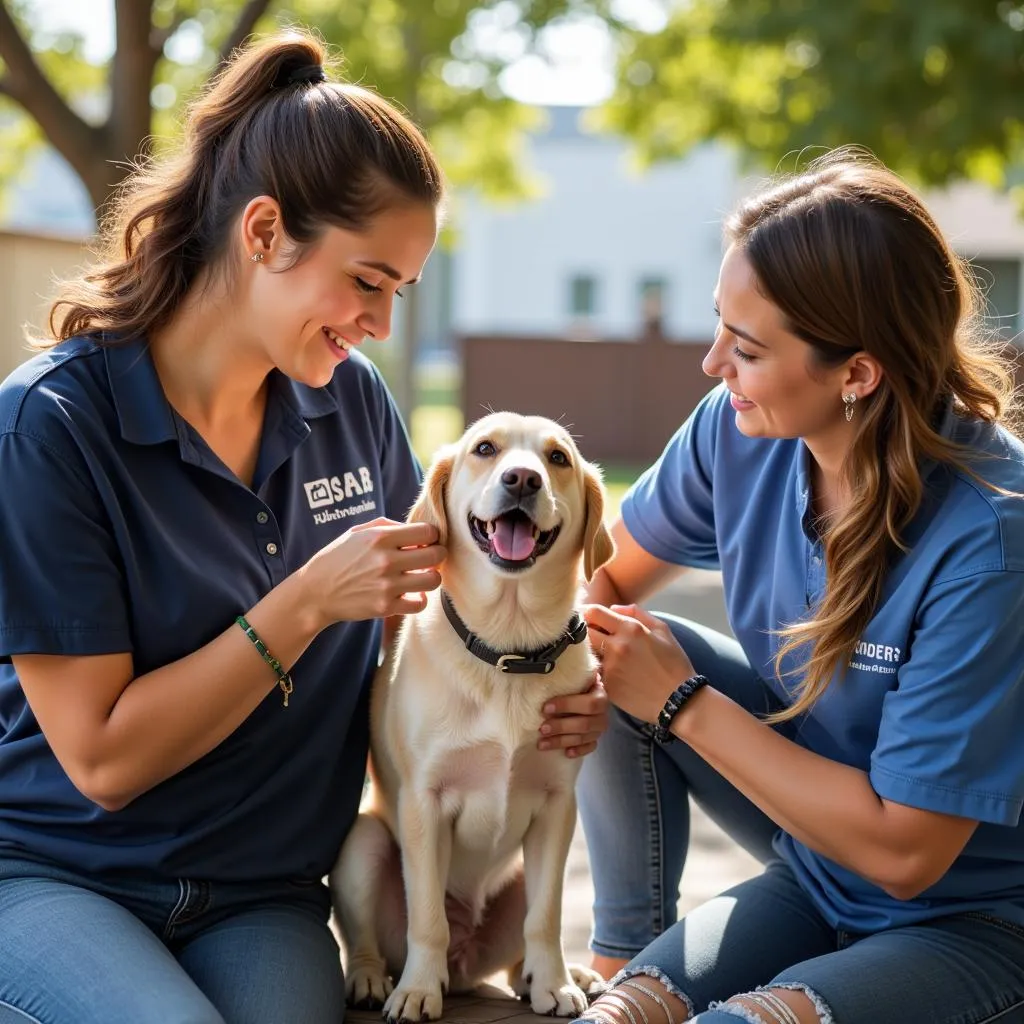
{"x":676,"y":699}
{"x":284,"y":680}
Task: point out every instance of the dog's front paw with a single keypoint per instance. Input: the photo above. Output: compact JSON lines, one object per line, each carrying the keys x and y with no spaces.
{"x":413,"y":1003}
{"x":590,"y":981}
{"x":557,"y":999}
{"x":552,"y":993}
{"x":367,"y":986}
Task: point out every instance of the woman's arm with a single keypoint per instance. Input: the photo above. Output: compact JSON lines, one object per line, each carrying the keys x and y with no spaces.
{"x":117,"y":735}
{"x":830,"y":807}
{"x":632,"y":575}
{"x":575,"y":722}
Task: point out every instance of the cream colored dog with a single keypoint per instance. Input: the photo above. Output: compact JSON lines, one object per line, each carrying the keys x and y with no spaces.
{"x":457,"y":780}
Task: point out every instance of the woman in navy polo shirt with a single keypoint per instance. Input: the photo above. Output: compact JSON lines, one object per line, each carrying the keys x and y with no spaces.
{"x":204,"y":483}
{"x":865,"y":735}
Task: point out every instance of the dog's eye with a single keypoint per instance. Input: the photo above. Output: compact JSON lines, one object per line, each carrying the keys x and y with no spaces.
{"x":485,"y":449}
{"x":558,"y":457}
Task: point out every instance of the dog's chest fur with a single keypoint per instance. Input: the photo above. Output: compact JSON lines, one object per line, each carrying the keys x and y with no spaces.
{"x":474,"y":731}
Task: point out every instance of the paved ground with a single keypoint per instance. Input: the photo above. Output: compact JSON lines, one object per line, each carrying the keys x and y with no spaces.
{"x":714,"y":863}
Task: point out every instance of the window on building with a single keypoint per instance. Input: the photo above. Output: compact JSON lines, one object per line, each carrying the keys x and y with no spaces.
{"x":652,"y":301}
{"x":583,"y":296}
{"x":1000,"y":281}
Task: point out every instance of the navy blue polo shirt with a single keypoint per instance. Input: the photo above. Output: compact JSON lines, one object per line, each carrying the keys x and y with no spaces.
{"x":120,"y":530}
{"x":931,"y":704}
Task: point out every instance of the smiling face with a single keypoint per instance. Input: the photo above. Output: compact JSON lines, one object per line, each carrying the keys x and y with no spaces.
{"x":308,"y":317}
{"x":515,"y":491}
{"x":516,"y":488}
{"x":778,"y":387}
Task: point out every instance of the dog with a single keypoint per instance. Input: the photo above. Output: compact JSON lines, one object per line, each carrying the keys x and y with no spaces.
{"x":461,"y":805}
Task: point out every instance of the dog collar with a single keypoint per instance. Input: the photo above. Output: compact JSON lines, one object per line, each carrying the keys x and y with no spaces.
{"x":539,"y":661}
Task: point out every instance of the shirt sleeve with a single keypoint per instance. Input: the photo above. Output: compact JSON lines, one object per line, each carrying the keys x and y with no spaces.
{"x":950,"y":735}
{"x":669,"y":511}
{"x":401,"y":469}
{"x":61,"y":585}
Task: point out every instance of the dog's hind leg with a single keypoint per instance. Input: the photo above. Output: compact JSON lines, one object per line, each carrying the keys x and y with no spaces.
{"x":358,"y":882}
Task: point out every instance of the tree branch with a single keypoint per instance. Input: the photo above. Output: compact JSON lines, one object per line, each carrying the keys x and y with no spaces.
{"x":26,"y":83}
{"x":251,"y":13}
{"x":131,"y":77}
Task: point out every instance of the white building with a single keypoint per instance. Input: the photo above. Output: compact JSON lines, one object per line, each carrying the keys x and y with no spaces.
{"x":583,"y":256}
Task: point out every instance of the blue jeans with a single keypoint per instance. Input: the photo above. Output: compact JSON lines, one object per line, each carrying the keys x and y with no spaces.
{"x":78,"y":950}
{"x":634,"y":805}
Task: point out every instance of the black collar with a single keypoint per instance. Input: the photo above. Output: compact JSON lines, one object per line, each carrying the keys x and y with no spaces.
{"x":539,"y":661}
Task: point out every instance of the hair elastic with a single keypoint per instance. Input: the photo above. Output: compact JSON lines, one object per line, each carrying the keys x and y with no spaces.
{"x":310,"y":74}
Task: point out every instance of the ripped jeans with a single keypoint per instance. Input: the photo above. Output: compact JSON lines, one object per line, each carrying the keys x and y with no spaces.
{"x":765,"y":932}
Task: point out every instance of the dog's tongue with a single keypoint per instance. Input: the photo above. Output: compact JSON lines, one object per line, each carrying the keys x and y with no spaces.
{"x":513,"y":539}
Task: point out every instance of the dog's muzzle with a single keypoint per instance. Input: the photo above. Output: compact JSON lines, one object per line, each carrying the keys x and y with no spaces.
{"x":512,"y":540}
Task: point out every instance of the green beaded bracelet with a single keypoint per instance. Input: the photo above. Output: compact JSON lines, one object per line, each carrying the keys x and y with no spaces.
{"x":284,"y":680}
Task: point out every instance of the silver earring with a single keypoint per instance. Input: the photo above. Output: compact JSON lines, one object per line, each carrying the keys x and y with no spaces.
{"x":848,"y":399}
{"x":256,"y":257}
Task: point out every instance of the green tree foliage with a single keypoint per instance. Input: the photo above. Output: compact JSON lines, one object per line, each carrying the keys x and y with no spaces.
{"x":933,"y":87}
{"x":439,"y":59}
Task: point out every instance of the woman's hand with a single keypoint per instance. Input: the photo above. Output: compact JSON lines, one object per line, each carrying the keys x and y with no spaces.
{"x":641,"y":661}
{"x":575,"y":722}
{"x":374,"y":570}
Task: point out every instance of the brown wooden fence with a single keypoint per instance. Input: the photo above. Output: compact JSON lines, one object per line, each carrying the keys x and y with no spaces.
{"x":622,"y":399}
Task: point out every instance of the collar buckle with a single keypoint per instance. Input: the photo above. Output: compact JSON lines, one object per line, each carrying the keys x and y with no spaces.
{"x":503,"y":662}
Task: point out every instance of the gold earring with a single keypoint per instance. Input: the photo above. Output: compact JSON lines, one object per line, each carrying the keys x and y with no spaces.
{"x":848,"y":399}
{"x":256,"y":257}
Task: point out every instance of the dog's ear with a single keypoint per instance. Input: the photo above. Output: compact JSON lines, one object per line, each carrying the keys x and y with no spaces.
{"x":598,"y":546}
{"x":430,"y":505}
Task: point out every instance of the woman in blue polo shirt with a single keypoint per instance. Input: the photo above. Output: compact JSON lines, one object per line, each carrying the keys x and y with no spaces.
{"x":203,"y":486}
{"x":852,"y":481}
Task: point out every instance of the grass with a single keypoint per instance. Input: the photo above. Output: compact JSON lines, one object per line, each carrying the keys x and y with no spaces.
{"x":434,"y":425}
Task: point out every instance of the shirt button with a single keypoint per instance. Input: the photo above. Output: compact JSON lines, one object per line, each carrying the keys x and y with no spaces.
{"x":261,"y":517}
{"x":271,"y":548}
{"x":816,"y":560}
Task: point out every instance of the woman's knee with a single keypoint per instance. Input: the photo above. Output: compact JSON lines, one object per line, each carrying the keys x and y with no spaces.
{"x":795,"y":1004}
{"x":721,"y":659}
{"x":56,"y":939}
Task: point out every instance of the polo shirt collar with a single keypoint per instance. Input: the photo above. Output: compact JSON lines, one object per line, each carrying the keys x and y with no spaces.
{"x":144,"y":414}
{"x":309,"y":403}
{"x":948,"y":426}
{"x":803,"y":480}
{"x":146,"y":417}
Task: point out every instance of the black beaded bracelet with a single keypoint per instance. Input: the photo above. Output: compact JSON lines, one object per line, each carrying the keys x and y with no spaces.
{"x":674,"y":704}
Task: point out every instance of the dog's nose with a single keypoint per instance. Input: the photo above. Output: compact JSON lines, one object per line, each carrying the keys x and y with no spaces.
{"x":522,"y":481}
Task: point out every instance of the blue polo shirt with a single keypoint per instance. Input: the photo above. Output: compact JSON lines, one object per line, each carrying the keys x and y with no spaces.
{"x":931,"y":705}
{"x":120,"y":530}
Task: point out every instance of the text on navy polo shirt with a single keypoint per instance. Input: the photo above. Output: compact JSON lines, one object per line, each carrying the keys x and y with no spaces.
{"x":931,"y":704}
{"x":122,"y":531}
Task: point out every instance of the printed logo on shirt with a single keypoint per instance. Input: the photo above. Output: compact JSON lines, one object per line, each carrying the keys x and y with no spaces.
{"x":870,"y":657}
{"x":342,"y":492}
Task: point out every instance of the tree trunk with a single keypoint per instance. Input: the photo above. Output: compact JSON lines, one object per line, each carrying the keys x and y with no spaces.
{"x":102,"y":155}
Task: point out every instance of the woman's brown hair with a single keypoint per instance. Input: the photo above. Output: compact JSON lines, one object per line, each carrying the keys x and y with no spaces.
{"x":268,"y":124}
{"x":856,"y":263}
